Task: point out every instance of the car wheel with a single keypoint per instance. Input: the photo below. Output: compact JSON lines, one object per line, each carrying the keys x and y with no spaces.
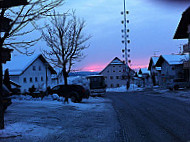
{"x":79,"y":99}
{"x":73,"y":99}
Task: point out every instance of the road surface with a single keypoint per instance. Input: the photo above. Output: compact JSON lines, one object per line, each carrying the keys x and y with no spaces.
{"x":145,"y":117}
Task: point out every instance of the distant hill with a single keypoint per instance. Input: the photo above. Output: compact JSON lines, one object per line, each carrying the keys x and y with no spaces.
{"x":83,"y":73}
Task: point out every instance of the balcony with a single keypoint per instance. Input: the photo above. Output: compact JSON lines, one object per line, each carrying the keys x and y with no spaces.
{"x":186,"y":65}
{"x":186,"y":48}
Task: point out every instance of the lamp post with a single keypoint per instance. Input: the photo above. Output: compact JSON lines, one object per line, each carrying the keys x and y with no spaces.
{"x":5,"y":54}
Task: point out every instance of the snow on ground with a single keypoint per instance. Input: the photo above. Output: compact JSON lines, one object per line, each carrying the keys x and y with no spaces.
{"x":26,"y":125}
{"x":133,"y":87}
{"x":19,"y":129}
{"x":181,"y":94}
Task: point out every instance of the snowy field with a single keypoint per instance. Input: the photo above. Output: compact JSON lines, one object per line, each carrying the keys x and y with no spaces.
{"x":29,"y":119}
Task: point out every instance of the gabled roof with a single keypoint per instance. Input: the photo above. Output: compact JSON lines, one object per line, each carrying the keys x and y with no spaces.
{"x":15,"y":83}
{"x":182,"y":28}
{"x":172,"y":59}
{"x":115,"y":61}
{"x":19,"y":64}
{"x":153,"y":61}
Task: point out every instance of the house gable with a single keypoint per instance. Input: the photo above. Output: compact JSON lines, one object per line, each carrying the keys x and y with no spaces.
{"x":152,"y":63}
{"x":115,"y":61}
{"x":19,"y":64}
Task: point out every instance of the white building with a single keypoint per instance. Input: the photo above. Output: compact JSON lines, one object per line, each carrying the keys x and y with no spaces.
{"x":172,"y":68}
{"x":30,"y":70}
{"x":113,"y":73}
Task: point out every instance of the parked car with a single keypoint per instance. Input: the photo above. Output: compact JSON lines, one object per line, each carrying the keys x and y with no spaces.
{"x":15,"y":91}
{"x":75,"y":92}
{"x":177,"y":83}
{"x":6,"y":100}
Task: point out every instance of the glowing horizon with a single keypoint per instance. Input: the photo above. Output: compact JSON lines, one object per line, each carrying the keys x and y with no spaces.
{"x":98,"y":68}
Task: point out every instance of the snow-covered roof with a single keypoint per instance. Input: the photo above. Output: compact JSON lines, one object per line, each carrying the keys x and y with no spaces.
{"x":15,"y":83}
{"x":172,"y":59}
{"x":153,"y":61}
{"x":158,"y":68}
{"x":20,"y":63}
{"x":116,"y":61}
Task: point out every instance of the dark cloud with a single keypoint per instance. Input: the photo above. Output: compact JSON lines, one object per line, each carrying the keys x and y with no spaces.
{"x":179,"y":2}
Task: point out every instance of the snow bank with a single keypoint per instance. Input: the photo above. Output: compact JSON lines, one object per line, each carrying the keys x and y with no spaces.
{"x":26,"y":129}
{"x":133,"y":87}
{"x":95,"y":103}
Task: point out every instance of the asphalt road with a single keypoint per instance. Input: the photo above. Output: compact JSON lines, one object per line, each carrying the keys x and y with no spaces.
{"x":145,"y":117}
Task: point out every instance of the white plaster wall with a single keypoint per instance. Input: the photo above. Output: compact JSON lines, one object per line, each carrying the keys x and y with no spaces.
{"x":30,"y":73}
{"x":114,"y":71}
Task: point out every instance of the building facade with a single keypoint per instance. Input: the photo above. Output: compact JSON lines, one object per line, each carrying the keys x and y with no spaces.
{"x":30,"y":70}
{"x":113,"y":73}
{"x":171,"y":68}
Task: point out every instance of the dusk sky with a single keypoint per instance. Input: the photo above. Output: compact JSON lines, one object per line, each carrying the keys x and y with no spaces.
{"x":152,"y":27}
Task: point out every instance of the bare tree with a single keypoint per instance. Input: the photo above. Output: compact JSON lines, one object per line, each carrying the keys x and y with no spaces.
{"x":64,"y":35}
{"x":14,"y":20}
{"x":22,"y":16}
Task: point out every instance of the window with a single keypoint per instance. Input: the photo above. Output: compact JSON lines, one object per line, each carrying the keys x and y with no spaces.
{"x":113,"y":71}
{"x":111,"y":77}
{"x":24,"y":80}
{"x":120,"y":66}
{"x":120,"y":71}
{"x":111,"y":86}
{"x":36,"y":79}
{"x":117,"y":85}
{"x":39,"y":68}
{"x":173,"y":68}
{"x":107,"y":71}
{"x":34,"y":68}
{"x":42,"y":79}
{"x":117,"y":77}
{"x":113,"y":66}
{"x":30,"y":79}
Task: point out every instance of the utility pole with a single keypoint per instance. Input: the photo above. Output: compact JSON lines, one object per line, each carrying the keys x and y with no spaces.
{"x":125,"y":41}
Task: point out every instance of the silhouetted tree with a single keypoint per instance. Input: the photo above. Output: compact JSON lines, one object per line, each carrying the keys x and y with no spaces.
{"x":21,"y":17}
{"x":64,"y":35}
{"x":6,"y":80}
